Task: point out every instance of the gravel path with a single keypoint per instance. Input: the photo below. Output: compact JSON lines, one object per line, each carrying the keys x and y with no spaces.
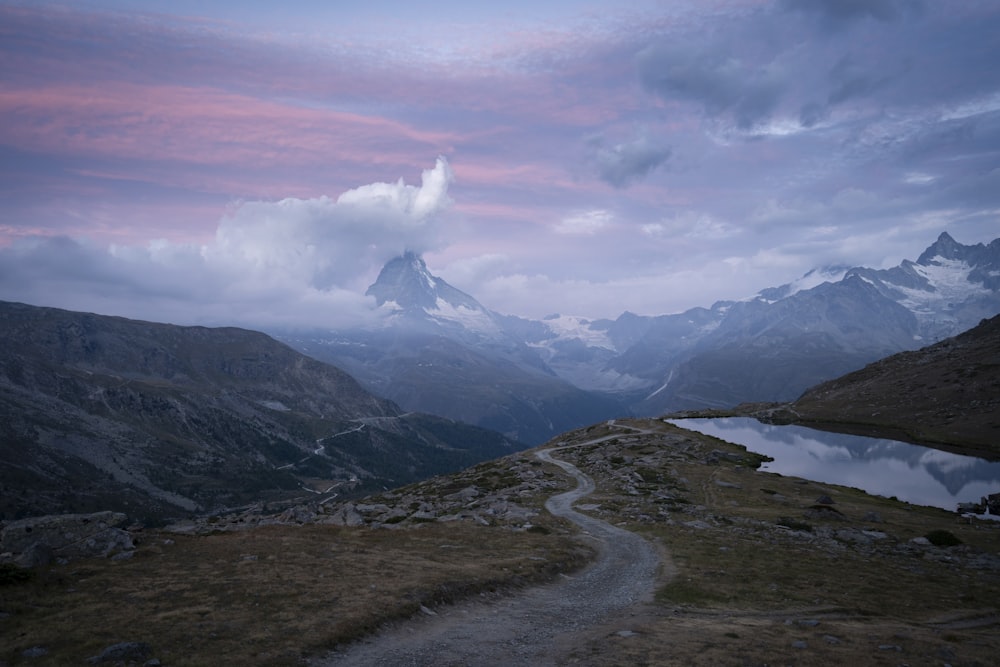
{"x":538,"y":627}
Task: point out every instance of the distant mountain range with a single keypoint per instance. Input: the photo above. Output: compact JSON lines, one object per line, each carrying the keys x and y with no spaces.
{"x":437,"y":349}
{"x":157,"y":420}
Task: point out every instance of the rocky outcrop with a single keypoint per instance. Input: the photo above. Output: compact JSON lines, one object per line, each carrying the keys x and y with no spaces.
{"x":501,"y":493}
{"x":41,"y":540}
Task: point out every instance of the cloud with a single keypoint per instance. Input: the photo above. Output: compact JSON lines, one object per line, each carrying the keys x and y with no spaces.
{"x":714,"y":77}
{"x":839,"y":12}
{"x":625,"y":163}
{"x":294,"y":261}
{"x":584,"y":223}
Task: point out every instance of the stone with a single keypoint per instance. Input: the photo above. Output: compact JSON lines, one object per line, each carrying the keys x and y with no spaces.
{"x":121,"y":652}
{"x":800,"y":643}
{"x":35,"y":652}
{"x":36,"y":555}
{"x":346,"y":515}
{"x":44,"y":538}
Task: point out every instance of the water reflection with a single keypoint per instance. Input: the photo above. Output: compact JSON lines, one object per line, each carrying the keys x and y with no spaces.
{"x":918,"y":475}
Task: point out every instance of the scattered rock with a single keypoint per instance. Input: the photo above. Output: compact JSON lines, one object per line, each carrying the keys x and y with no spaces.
{"x":39,"y":540}
{"x":35,"y":652}
{"x":800,"y":643}
{"x":121,"y":652}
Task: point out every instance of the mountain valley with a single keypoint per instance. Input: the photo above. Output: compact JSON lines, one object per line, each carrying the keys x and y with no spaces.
{"x":156,"y":420}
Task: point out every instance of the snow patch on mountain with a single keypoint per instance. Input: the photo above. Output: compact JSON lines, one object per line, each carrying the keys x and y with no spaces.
{"x":812,"y":279}
{"x":949,"y":285}
{"x":570,"y":327}
{"x":472,"y":319}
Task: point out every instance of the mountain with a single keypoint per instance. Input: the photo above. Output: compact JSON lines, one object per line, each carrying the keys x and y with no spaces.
{"x":948,"y":392}
{"x":438,"y":350}
{"x":157,"y":420}
{"x":783,"y":340}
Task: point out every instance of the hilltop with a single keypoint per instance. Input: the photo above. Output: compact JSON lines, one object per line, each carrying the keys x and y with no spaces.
{"x":946,"y":395}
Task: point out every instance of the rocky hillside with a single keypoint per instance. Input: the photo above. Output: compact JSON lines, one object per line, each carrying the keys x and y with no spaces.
{"x":155,"y":420}
{"x":946,"y":393}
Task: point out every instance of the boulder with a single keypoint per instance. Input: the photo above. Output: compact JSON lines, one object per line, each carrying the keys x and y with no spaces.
{"x":122,"y":651}
{"x":39,"y":540}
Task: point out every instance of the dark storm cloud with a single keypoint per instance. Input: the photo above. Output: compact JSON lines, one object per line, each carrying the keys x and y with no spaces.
{"x":839,"y":12}
{"x":718,"y":80}
{"x":625,"y":163}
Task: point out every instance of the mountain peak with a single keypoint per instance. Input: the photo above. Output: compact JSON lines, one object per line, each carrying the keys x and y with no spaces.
{"x":945,"y":247}
{"x":406,"y":282}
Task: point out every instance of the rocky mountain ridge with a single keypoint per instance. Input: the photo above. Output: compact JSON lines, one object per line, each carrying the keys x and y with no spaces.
{"x":442,"y":351}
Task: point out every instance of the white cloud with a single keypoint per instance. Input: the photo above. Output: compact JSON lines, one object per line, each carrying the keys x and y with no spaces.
{"x":585,"y":223}
{"x":285,"y":263}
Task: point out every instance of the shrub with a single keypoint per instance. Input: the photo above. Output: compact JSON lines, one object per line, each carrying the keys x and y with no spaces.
{"x":942,"y":538}
{"x":794,"y":524}
{"x":11,"y":574}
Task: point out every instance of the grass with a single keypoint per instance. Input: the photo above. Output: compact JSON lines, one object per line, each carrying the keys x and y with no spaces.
{"x":750,"y":576}
{"x":267,"y":596}
{"x":752,"y":558}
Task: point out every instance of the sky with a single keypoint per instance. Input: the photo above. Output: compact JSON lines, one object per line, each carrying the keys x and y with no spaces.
{"x":256,"y":163}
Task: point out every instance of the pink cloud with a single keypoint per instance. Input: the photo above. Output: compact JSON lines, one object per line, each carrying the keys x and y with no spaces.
{"x":196,"y":125}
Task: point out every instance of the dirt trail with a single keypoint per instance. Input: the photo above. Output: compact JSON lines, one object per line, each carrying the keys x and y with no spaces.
{"x":539,"y":627}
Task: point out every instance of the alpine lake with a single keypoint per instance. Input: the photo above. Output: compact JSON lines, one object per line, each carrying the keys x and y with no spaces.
{"x":911,"y":473}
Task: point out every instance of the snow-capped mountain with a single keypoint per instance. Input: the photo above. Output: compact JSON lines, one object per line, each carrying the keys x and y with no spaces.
{"x":784,"y":339}
{"x":406,"y":290}
{"x":436,"y":349}
{"x":439,"y":350}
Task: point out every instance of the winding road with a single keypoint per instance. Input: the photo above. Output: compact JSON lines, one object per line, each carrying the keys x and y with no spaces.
{"x":539,"y":627}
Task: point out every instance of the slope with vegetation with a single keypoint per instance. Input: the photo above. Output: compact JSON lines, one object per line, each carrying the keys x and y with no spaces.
{"x":946,"y":395}
{"x":157,"y":420}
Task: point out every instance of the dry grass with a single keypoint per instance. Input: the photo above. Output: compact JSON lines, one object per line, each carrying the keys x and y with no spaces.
{"x":746,"y":591}
{"x":267,"y":596}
